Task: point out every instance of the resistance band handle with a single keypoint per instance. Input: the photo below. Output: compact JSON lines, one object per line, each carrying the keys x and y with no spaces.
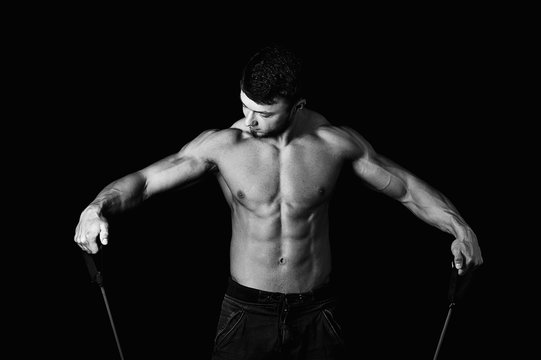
{"x":95,"y":274}
{"x":458,"y":284}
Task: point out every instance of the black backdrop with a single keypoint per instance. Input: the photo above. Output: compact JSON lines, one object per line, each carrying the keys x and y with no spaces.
{"x":116,"y":96}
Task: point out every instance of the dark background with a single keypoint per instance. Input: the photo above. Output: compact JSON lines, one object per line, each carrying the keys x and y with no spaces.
{"x":112,"y":95}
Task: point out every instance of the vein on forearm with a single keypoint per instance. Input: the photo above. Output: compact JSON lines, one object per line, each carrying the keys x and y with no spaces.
{"x":120,"y":195}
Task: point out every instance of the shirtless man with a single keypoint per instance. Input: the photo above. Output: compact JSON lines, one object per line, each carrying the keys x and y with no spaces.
{"x":277,"y":167}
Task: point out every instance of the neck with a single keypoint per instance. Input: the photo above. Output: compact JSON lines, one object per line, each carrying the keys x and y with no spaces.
{"x":292,"y":130}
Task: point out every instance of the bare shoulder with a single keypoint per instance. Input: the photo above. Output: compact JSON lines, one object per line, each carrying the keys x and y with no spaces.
{"x":345,"y":140}
{"x":239,"y":125}
{"x":212,"y":141}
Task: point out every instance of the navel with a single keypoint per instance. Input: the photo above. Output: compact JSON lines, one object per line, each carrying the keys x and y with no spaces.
{"x":282,"y":261}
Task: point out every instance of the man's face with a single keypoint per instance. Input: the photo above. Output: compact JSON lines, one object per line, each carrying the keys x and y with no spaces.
{"x":265,"y":120}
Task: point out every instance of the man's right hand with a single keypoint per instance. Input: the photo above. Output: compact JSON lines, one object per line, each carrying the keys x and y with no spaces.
{"x":92,"y":225}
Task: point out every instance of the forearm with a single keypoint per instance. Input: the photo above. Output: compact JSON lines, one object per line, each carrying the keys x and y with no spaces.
{"x":435,"y":209}
{"x":120,"y":195}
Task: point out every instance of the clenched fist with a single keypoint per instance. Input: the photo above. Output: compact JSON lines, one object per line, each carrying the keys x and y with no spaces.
{"x":92,"y":225}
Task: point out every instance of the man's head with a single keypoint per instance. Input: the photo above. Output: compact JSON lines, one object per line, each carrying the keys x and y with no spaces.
{"x":274,"y":73}
{"x":271,"y":90}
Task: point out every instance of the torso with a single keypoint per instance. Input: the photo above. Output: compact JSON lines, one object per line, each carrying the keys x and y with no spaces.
{"x":279,"y":199}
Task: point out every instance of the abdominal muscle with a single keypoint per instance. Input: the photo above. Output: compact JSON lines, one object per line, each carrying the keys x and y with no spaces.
{"x":279,"y":251}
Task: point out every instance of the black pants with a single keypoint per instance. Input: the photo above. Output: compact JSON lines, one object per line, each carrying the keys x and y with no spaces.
{"x":256,"y":324}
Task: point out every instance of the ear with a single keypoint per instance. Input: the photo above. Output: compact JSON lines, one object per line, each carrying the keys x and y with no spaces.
{"x":300,"y":104}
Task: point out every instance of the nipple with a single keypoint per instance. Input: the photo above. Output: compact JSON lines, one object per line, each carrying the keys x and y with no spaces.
{"x":240,"y":194}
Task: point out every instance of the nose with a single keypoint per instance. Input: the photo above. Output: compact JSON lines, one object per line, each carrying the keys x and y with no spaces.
{"x":250,"y":119}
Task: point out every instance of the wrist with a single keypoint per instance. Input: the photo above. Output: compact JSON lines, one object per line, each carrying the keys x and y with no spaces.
{"x":93,"y":208}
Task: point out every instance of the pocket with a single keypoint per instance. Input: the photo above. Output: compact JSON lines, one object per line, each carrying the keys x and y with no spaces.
{"x":333,"y":325}
{"x":230,"y":317}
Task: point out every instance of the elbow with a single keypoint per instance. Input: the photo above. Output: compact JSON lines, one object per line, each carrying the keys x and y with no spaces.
{"x":397,"y":190}
{"x":404,"y":196}
{"x":399,"y":194}
{"x":140,"y":185}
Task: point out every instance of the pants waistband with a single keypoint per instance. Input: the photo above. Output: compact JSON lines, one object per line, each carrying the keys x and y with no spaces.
{"x":244,"y":293}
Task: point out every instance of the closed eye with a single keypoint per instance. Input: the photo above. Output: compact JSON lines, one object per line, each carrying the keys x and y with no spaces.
{"x":264,"y":114}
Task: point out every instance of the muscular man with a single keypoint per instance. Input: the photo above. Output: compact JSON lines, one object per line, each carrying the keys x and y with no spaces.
{"x":277,"y":167}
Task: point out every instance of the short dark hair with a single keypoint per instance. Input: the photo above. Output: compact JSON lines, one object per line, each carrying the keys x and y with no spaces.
{"x":271,"y":73}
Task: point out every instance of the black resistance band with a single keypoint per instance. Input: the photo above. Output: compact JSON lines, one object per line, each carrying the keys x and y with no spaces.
{"x":97,"y":277}
{"x":457,"y":288}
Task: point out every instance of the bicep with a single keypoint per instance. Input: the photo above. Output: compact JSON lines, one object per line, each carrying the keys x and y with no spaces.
{"x":173,"y":171}
{"x":377,"y":171}
{"x":382,"y":175}
{"x":180,"y":169}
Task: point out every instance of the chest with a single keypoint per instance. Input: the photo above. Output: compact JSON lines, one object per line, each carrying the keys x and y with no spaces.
{"x":297,"y":174}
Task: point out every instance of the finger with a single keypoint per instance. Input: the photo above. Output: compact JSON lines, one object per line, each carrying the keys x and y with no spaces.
{"x":89,"y":240}
{"x":104,"y":233}
{"x":92,"y":247}
{"x":82,"y":245}
{"x":79,"y":240}
{"x":458,"y":260}
{"x":79,"y":235}
{"x":90,"y":243}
